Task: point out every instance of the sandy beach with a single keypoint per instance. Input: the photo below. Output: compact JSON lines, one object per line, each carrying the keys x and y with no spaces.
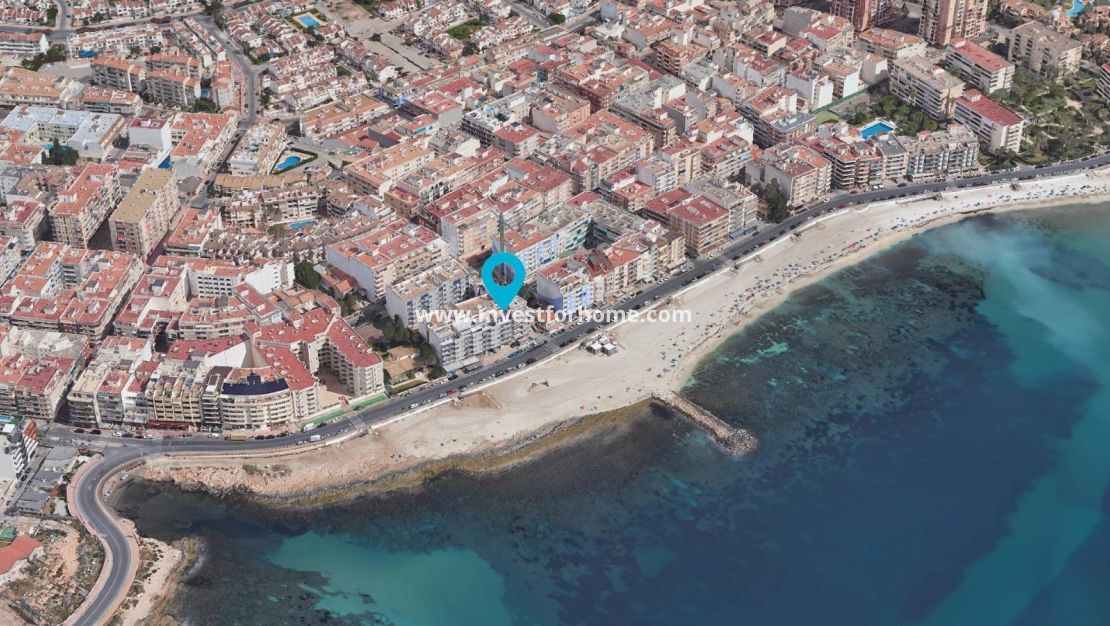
{"x":652,"y":357}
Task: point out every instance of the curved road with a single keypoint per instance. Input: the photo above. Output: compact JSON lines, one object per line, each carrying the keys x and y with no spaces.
{"x":102,"y":522}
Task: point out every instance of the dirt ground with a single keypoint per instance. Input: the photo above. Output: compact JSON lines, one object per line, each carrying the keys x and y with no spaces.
{"x":50,"y":586}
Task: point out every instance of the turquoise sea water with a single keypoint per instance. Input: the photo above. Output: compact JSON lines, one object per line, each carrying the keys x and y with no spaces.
{"x":935,"y":425}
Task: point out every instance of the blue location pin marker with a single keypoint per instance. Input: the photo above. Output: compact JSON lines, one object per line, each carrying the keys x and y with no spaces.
{"x":503,"y":295}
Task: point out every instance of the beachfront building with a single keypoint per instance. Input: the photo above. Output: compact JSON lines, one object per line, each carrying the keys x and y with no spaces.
{"x":919,"y":83}
{"x":856,"y":162}
{"x":994,"y":124}
{"x":703,"y":223}
{"x":940,"y":154}
{"x":803,"y":175}
{"x":1040,"y":49}
{"x":472,"y":329}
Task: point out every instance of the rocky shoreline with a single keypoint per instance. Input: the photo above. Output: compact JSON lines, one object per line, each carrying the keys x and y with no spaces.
{"x":488,"y":462}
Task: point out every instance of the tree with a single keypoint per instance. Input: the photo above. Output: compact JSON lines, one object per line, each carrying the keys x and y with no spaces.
{"x":206,"y":105}
{"x":162,"y":341}
{"x":557,"y":18}
{"x":306,"y":275}
{"x":51,"y":14}
{"x":60,"y":155}
{"x":777,"y":209}
{"x":56,"y":54}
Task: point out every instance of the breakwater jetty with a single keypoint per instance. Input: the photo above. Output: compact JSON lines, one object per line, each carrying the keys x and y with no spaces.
{"x":736,"y":440}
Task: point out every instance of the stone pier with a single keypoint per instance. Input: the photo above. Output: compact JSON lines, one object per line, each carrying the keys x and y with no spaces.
{"x":738,"y":441}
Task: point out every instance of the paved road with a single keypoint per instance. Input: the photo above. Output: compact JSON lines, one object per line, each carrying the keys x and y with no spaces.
{"x":102,"y":523}
{"x":249,"y":70}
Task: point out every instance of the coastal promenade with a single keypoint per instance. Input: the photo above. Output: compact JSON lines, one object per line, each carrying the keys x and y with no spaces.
{"x":100,"y":604}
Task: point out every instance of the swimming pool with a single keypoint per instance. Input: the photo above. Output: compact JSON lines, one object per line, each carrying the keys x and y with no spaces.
{"x":300,"y":225}
{"x":307,"y":20}
{"x":1077,"y":7}
{"x":288,"y":162}
{"x":875,"y":128}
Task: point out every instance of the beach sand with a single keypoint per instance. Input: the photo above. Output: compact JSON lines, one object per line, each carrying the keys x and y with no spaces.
{"x":653,"y":356}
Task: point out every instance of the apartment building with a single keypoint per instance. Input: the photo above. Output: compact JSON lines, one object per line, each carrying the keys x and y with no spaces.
{"x":1040,"y":49}
{"x":436,"y":289}
{"x":199,"y":140}
{"x":342,"y":116}
{"x":24,"y":221}
{"x":109,"y":390}
{"x":90,"y":134}
{"x":68,"y":289}
{"x":995,"y":125}
{"x":856,"y":163}
{"x":474,"y":328}
{"x":258,"y":150}
{"x":176,"y":64}
{"x":172,"y":89}
{"x":23,"y":44}
{"x":803,"y":175}
{"x":379,"y":171}
{"x":390,"y":254}
{"x":919,"y":83}
{"x":595,"y":149}
{"x":554,"y":111}
{"x":36,"y":369}
{"x":989,"y":71}
{"x":19,"y":86}
{"x":776,"y":115}
{"x":644,"y":108}
{"x":107,"y":100}
{"x":145,"y":213}
{"x":941,"y":154}
{"x":116,"y":40}
{"x":890,"y":44}
{"x":862,"y":13}
{"x":117,"y":73}
{"x":1104,"y":81}
{"x":703,"y":223}
{"x":945,"y":21}
{"x":83,"y":206}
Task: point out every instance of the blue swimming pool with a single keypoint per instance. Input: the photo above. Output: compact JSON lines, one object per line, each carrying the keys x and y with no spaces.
{"x":1077,"y":7}
{"x":875,"y":128}
{"x":307,"y":20}
{"x":300,"y":225}
{"x":288,"y":162}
